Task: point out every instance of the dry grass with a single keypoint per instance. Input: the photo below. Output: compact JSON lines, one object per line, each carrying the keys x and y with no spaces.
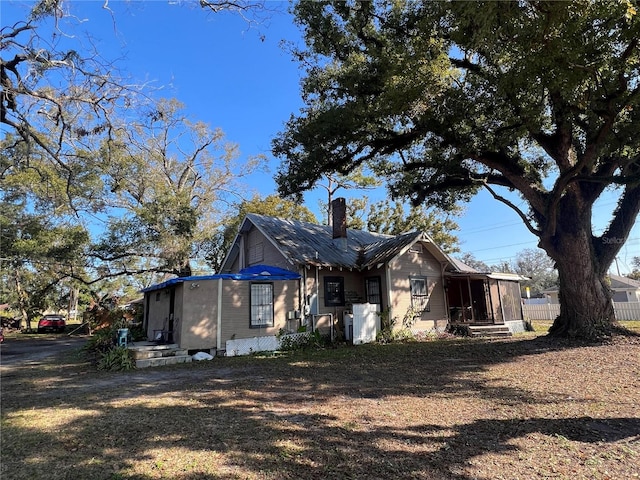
{"x":457,"y":409}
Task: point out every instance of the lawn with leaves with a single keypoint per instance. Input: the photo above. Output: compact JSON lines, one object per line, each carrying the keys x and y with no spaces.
{"x":462,"y":409}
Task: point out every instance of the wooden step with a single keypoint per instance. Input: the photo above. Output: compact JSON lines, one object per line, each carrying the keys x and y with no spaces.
{"x":489,"y":331}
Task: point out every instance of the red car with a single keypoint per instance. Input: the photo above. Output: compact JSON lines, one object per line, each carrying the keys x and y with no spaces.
{"x":52,"y":323}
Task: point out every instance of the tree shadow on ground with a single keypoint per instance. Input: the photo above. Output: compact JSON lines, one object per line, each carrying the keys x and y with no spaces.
{"x":306,"y":415}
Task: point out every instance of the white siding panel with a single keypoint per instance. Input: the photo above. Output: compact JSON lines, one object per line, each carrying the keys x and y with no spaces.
{"x":419,"y":265}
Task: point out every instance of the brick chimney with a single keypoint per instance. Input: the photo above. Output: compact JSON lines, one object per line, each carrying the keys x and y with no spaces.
{"x":339,"y":218}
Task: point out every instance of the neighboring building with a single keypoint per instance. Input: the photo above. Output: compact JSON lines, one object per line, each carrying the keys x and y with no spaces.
{"x":623,"y":290}
{"x":408,"y":277}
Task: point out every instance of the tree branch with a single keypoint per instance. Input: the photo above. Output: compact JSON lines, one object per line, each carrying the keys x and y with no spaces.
{"x":515,"y":208}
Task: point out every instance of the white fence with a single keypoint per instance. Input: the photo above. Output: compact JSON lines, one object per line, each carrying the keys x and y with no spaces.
{"x":549,"y":311}
{"x":366,"y":323}
{"x":270,"y":343}
{"x":627,"y":310}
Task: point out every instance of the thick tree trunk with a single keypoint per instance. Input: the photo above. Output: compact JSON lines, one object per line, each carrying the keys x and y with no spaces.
{"x":22,"y":301}
{"x":586,"y":309}
{"x":184,"y":270}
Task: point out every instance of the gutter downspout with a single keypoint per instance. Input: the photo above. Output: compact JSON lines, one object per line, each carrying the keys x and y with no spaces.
{"x":388,"y":289}
{"x":302,"y":287}
{"x":317,"y":291}
{"x":219,"y":316}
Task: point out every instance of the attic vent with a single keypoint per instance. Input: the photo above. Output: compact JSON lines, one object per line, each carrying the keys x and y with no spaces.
{"x":416,"y":248}
{"x":256,"y":253}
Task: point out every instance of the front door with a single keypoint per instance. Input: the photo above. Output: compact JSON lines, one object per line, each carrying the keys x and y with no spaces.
{"x":479,"y":301}
{"x":172,"y":307}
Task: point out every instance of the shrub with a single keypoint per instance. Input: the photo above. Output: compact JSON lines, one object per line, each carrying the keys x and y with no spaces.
{"x":387,"y":323}
{"x":459,"y":330}
{"x":117,"y":359}
{"x":302,"y":340}
{"x":403,"y":335}
{"x":103,"y":350}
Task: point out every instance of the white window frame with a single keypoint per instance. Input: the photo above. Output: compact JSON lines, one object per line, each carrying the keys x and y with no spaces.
{"x":421,"y":288}
{"x":261,"y":305}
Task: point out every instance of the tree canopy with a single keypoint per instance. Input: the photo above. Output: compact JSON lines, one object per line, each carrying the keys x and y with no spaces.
{"x":173,"y":183}
{"x":444,"y":98}
{"x":392,"y":219}
{"x":99,"y":179}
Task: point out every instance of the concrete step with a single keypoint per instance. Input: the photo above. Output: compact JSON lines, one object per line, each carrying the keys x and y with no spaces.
{"x":162,"y":361}
{"x":489,"y":331}
{"x":146,"y":346}
{"x":143,"y":351}
{"x":141,"y":354}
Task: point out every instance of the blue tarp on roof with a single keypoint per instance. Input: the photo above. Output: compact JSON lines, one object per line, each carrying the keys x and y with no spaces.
{"x":255,"y":273}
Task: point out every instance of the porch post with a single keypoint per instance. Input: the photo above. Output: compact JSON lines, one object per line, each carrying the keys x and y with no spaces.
{"x":445,"y":292}
{"x":473,"y":316}
{"x":501,"y":302}
{"x":493,"y":313}
{"x":464,"y":317}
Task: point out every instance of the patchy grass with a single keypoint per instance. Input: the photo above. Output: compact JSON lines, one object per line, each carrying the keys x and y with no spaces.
{"x":460,"y":409}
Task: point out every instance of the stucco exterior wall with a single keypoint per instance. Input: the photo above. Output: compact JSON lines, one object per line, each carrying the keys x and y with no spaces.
{"x":198,"y":318}
{"x":353,"y":293}
{"x":236,"y":309}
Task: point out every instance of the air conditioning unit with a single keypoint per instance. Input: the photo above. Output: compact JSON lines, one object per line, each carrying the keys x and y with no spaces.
{"x":293,"y":314}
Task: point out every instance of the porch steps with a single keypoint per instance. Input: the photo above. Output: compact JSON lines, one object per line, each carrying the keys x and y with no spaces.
{"x":489,"y":331}
{"x":148,"y":354}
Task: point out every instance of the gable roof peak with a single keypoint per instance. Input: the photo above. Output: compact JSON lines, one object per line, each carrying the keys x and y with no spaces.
{"x":305,"y":243}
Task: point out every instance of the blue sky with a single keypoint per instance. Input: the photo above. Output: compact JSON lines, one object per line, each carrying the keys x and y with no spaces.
{"x":235,"y":76}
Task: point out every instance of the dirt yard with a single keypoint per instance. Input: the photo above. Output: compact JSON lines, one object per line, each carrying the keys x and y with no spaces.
{"x":461,"y":409}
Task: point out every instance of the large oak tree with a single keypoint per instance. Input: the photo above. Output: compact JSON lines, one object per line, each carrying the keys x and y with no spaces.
{"x":173,"y":183}
{"x":446,"y":98}
{"x":78,"y":147}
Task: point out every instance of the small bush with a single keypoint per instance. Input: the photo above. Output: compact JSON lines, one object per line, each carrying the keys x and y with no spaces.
{"x":387,"y":323}
{"x":303,"y":340}
{"x":459,"y":330}
{"x":403,"y":335}
{"x":102,"y":348}
{"x":117,"y":359}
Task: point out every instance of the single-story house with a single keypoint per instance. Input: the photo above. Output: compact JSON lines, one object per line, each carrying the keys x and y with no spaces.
{"x":623,"y":290}
{"x":407,"y":278}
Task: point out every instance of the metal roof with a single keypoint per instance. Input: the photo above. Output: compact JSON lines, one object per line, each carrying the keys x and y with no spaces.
{"x":304,"y":243}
